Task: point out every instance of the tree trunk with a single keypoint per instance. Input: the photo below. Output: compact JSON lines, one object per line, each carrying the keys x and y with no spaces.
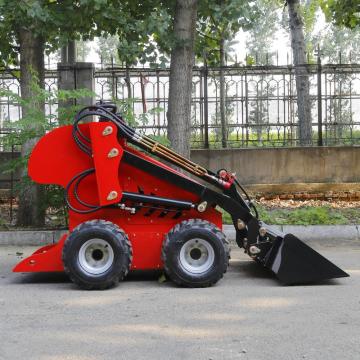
{"x":31,"y":211}
{"x":222,"y":94}
{"x":182,"y":61}
{"x":301,"y":72}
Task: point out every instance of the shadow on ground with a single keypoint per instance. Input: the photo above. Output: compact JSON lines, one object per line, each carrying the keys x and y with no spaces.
{"x":238,"y":270}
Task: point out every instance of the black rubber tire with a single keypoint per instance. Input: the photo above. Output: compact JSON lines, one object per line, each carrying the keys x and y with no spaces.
{"x":117,"y":239}
{"x":178,"y":236}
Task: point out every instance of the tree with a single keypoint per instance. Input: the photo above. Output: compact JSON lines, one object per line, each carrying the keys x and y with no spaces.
{"x":25,"y":131}
{"x":259,"y":47}
{"x":144,"y":27}
{"x":31,"y":211}
{"x":17,"y":29}
{"x":342,"y":12}
{"x":82,"y":50}
{"x":261,"y":36}
{"x":301,"y":73}
{"x":344,"y":42}
{"x":136,"y":40}
{"x":152,"y":37}
{"x":341,"y":45}
{"x":182,"y":62}
{"x":27,"y":28}
{"x":219,"y":21}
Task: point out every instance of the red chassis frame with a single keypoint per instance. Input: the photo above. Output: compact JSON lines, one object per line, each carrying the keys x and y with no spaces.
{"x":56,"y":159}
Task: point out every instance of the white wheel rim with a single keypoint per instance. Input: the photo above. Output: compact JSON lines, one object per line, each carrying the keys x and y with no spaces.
{"x":196,"y":256}
{"x":96,"y":256}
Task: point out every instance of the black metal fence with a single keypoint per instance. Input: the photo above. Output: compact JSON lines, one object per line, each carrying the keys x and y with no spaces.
{"x":260,"y":102}
{"x":261,"y":107}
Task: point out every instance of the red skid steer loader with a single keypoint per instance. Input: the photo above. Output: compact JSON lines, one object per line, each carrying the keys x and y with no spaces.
{"x":131,"y":211}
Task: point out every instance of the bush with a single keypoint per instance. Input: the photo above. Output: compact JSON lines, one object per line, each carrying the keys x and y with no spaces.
{"x":34,"y":125}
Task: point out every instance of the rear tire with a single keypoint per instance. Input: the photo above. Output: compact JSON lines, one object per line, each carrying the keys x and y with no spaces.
{"x":195,"y":253}
{"x":97,"y":254}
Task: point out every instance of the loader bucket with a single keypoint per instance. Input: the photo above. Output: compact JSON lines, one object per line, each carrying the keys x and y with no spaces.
{"x":294,"y":262}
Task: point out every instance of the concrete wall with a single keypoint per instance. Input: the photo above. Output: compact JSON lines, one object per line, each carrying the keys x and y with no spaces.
{"x":281,"y":167}
{"x":330,"y":165}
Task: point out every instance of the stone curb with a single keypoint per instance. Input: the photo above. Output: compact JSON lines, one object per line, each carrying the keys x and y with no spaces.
{"x":30,"y":237}
{"x":325,"y":235}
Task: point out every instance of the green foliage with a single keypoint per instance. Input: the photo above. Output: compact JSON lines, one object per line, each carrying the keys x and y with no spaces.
{"x":54,"y":21}
{"x":57,"y":22}
{"x":250,"y":60}
{"x":144,"y":34}
{"x":126,"y":109}
{"x":82,"y":50}
{"x":107,"y":49}
{"x":219,"y":20}
{"x":55,"y":204}
{"x":342,"y":12}
{"x":143,"y":30}
{"x":34,"y":125}
{"x":273,"y":139}
{"x":2,"y":222}
{"x":262,"y":35}
{"x":259,"y":45}
{"x":309,"y":10}
{"x":311,"y":215}
{"x":323,"y":215}
{"x":335,"y":41}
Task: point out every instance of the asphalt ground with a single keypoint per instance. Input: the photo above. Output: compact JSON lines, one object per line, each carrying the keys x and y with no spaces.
{"x":247,"y":315}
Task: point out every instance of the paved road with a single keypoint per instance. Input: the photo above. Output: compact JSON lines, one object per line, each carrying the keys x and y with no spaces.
{"x":246,"y":316}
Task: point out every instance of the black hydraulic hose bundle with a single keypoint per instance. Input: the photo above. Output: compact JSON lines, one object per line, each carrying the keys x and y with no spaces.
{"x":76,"y":181}
{"x":133,"y":137}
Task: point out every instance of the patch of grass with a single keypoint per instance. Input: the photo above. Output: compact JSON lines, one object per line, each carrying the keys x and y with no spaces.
{"x":322,"y":215}
{"x":226,"y":217}
{"x":311,"y":216}
{"x":264,"y":215}
{"x":271,"y":139}
{"x":3,"y":224}
{"x":353,"y":215}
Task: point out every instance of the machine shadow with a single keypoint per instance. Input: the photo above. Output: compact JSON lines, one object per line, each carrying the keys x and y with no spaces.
{"x":244,"y":269}
{"x":60,"y":277}
{"x":41,"y":278}
{"x":253,"y":270}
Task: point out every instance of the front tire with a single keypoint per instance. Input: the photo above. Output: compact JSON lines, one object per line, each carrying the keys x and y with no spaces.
{"x":195,"y":253}
{"x":97,"y":254}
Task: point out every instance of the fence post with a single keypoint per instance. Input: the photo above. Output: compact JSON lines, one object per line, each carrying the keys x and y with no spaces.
{"x":79,"y":75}
{"x":206,"y":107}
{"x":319,"y":99}
{"x":12,"y":186}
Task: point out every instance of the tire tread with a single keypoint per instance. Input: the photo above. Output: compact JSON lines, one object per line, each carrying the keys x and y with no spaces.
{"x":186,"y":225}
{"x":118,"y":232}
